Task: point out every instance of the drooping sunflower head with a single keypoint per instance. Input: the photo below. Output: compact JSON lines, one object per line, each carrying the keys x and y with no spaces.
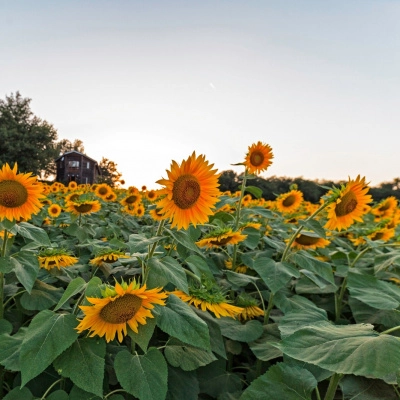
{"x":249,"y":305}
{"x":107,"y":256}
{"x":221,"y":237}
{"x":56,"y":258}
{"x":309,"y":240}
{"x":20,"y":194}
{"x":289,"y":202}
{"x":258,"y":158}
{"x":350,"y":204}
{"x":191,"y":192}
{"x":121,"y":306}
{"x":79,"y":207}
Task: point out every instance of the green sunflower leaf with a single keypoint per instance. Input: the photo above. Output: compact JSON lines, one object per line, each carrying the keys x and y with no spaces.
{"x":199,"y":266}
{"x":319,"y":268}
{"x":182,"y":384}
{"x":235,"y":330}
{"x":282,"y":382}
{"x":48,"y":335}
{"x":32,"y":232}
{"x":58,"y":395}
{"x":41,"y":297}
{"x":77,"y":285}
{"x":255,"y":191}
{"x":346,"y":349}
{"x":183,"y":237}
{"x":79,"y":394}
{"x":83,"y":363}
{"x":145,"y":332}
{"x":166,"y":270}
{"x":19,"y":393}
{"x":10,"y":349}
{"x":150,"y":374}
{"x":314,"y":226}
{"x":180,"y":321}
{"x":26,"y":269}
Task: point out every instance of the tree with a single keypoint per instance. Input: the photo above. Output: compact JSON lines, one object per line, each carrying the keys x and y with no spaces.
{"x":66,"y":145}
{"x":25,"y":138}
{"x":109,"y":173}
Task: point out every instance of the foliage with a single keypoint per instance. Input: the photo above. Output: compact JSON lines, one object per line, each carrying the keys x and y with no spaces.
{"x":329,"y":323}
{"x":109,"y":172}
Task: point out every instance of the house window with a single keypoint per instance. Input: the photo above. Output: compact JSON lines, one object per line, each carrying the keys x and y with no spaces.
{"x":88,"y":165}
{"x":73,"y":164}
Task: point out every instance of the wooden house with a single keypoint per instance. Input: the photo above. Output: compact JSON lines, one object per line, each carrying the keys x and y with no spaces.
{"x":78,"y":167}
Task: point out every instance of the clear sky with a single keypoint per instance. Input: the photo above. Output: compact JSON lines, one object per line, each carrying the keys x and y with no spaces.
{"x":146,"y":82}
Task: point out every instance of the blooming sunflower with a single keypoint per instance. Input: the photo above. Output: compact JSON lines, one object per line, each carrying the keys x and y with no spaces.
{"x":131,"y":199}
{"x":156,"y":214}
{"x":383,"y":234}
{"x":289,"y":202}
{"x":102,"y":190}
{"x":54,"y":210}
{"x":83,"y":206}
{"x":350,"y":204}
{"x":386,"y":208}
{"x":221,"y":237}
{"x":191,"y":192}
{"x":151,"y":195}
{"x":72,"y":185}
{"x":308,"y":240}
{"x":204,"y":300}
{"x":20,"y":194}
{"x":108,"y":256}
{"x":258,"y":158}
{"x":56,"y":257}
{"x":121,"y":305}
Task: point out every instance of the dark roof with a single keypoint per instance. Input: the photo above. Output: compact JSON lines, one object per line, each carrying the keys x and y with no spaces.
{"x":76,"y":152}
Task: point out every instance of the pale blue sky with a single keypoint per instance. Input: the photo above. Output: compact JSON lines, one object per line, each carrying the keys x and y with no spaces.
{"x":146,"y":82}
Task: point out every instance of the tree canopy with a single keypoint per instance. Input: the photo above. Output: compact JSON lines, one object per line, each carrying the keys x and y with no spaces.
{"x":109,"y":172}
{"x":25,"y":138}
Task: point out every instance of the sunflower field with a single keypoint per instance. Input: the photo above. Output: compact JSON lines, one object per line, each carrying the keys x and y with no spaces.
{"x":184,"y":292}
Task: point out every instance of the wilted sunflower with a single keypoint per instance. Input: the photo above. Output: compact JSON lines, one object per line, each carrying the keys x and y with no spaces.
{"x":56,"y":258}
{"x":121,"y":305}
{"x":20,"y":194}
{"x":350,"y":205}
{"x":212,"y":301}
{"x":191,"y":192}
{"x":83,"y":206}
{"x":289,"y":202}
{"x":249,"y":307}
{"x":308,"y":240}
{"x":54,"y":210}
{"x":221,"y":237}
{"x":108,"y":256}
{"x":258,"y":158}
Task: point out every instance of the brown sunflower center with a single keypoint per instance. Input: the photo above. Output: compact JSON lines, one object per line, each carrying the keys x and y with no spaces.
{"x":256,"y":158}
{"x":289,"y":201}
{"x":83,"y":208}
{"x":378,"y":236}
{"x":12,"y":194}
{"x":384,"y":207}
{"x":221,"y":242}
{"x":103,"y":191}
{"x":131,"y":199}
{"x":186,"y":191}
{"x":347,"y":205}
{"x":305,"y":240}
{"x":121,"y":309}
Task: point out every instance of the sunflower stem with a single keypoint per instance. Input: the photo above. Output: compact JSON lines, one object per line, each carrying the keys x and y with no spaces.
{"x":299,"y":229}
{"x":269,"y":308}
{"x":113,"y":392}
{"x":3,"y":254}
{"x":395,"y":328}
{"x":158,"y":233}
{"x":333,"y":384}
{"x":51,"y":387}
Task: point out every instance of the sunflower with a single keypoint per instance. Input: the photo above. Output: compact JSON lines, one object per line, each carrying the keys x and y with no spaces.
{"x":221,"y":237}
{"x":83,"y":206}
{"x":72,"y":196}
{"x":20,"y":194}
{"x":121,"y":305}
{"x":156,"y":214}
{"x":102,"y":190}
{"x":289,"y":202}
{"x":54,"y":210}
{"x":111,"y":197}
{"x":72,"y":185}
{"x":386,"y":208}
{"x":250,"y":307}
{"x":258,"y":158}
{"x":131,"y":199}
{"x":204,"y":300}
{"x":191,"y":192}
{"x":107,"y":256}
{"x":56,"y":257}
{"x":240,"y":269}
{"x":309,"y":240}
{"x":350,"y":205}
{"x":383,"y":234}
{"x":151,"y":195}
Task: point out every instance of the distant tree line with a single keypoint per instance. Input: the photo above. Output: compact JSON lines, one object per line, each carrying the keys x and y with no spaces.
{"x":312,"y":190}
{"x":32,"y":142}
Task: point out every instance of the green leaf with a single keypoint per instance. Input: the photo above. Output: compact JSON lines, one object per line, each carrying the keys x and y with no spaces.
{"x":199,"y":266}
{"x":19,"y":393}
{"x":183,"y":237}
{"x":179,"y":320}
{"x":189,"y":358}
{"x":240,"y":280}
{"x":26,"y":268}
{"x":255,"y":191}
{"x":42,"y":296}
{"x":253,"y":237}
{"x":289,"y":302}
{"x":48,"y":335}
{"x":372,"y":291}
{"x":145,"y":332}
{"x":166,"y":270}
{"x":319,"y":268}
{"x":77,"y":285}
{"x":58,"y":395}
{"x":282,"y":382}
{"x":182,"y":384}
{"x":9,"y":350}
{"x":7,"y":264}
{"x":5,"y":327}
{"x":345,"y":349}
{"x":139,"y":242}
{"x":314,"y":226}
{"x":79,"y":394}
{"x":275,"y":274}
{"x":33,"y":232}
{"x":83,"y":363}
{"x":358,"y":387}
{"x":92,"y":289}
{"x":263,"y":348}
{"x":235,"y":330}
{"x":149,"y":371}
